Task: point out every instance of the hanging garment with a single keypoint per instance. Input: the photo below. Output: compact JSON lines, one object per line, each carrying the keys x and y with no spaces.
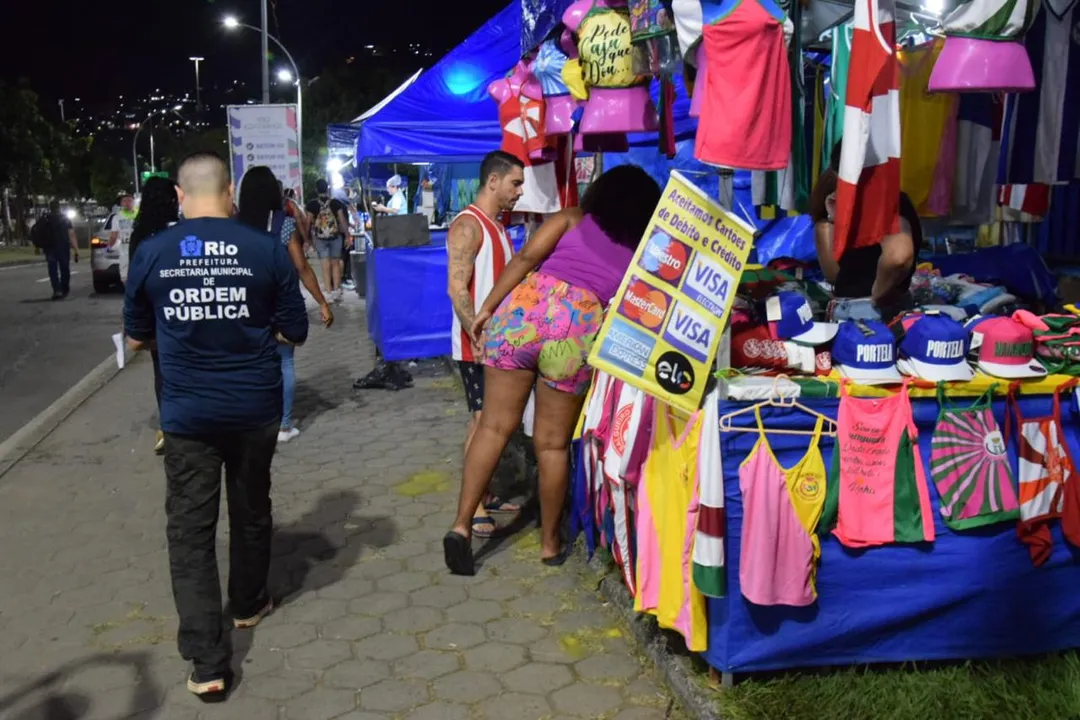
{"x":877,"y":492}
{"x":616,"y":442}
{"x":789,"y":189}
{"x":978,"y":147}
{"x":746,"y":112}
{"x":868,"y":188}
{"x":1047,"y":479}
{"x":970,"y":466}
{"x":710,"y":578}
{"x":838,"y":80}
{"x":781,"y":509}
{"x":666,"y":521}
{"x":924,"y":122}
{"x":1042,"y":127}
{"x":522,"y":122}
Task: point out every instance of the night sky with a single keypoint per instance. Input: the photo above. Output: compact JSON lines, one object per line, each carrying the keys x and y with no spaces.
{"x":98,"y":50}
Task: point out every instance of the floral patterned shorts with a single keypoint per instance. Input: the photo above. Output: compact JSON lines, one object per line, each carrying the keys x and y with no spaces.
{"x":547,"y":326}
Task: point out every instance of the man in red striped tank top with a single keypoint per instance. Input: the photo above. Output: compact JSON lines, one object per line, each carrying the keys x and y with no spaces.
{"x":478,"y":251}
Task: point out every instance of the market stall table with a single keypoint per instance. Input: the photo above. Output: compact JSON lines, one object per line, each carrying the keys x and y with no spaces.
{"x":970,"y":594}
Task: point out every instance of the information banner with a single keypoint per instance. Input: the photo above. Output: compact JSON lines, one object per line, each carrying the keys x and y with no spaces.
{"x":663,"y":327}
{"x":266,"y":135}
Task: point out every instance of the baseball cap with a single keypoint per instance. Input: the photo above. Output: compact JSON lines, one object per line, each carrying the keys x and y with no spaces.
{"x":791,"y":318}
{"x":866,"y":353}
{"x":1007,"y":350}
{"x":935,"y":348}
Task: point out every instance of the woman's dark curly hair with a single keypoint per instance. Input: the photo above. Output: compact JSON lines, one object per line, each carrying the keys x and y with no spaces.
{"x":158,"y":209}
{"x":622,"y":201}
{"x":260,"y":195}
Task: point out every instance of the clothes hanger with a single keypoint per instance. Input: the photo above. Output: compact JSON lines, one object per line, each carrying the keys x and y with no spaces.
{"x":828,"y":426}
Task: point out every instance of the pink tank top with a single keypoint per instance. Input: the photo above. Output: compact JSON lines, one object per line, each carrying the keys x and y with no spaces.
{"x":781,"y":507}
{"x":746,"y":112}
{"x":588,"y":259}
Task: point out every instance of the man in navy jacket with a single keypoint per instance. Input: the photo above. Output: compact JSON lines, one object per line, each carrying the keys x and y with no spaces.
{"x":216,"y":297}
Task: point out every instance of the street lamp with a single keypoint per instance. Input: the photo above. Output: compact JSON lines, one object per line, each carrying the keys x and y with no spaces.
{"x":231,"y":22}
{"x":198,"y":86}
{"x":134,"y":143}
{"x":284,"y":76}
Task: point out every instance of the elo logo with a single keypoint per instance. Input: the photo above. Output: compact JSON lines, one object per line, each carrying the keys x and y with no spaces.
{"x":690,"y":332}
{"x":674,"y":373}
{"x":644,"y":304}
{"x":664,"y":257}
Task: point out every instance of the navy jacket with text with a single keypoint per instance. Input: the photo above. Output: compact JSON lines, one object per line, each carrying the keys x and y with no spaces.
{"x":213,"y":293}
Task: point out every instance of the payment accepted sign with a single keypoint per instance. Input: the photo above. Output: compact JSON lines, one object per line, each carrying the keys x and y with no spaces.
{"x":663,"y":328}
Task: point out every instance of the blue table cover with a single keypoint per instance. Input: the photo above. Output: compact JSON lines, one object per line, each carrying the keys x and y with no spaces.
{"x":973,"y":594}
{"x":408,"y":311}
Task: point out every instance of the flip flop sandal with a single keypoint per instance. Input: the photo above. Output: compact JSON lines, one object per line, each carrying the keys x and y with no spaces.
{"x":457,"y":554}
{"x":558,"y":560}
{"x":498,"y":506}
{"x":483,"y":527}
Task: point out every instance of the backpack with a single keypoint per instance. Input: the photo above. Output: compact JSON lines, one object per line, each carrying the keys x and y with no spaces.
{"x":39,"y":234}
{"x":326,"y":223}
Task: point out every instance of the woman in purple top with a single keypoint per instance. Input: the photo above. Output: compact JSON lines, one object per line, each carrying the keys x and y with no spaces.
{"x":540,"y":321}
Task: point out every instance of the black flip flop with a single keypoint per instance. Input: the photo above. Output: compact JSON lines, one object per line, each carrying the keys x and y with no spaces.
{"x":457,"y":554}
{"x":558,"y":560}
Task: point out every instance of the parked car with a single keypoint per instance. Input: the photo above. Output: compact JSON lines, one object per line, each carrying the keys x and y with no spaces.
{"x":104,"y":261}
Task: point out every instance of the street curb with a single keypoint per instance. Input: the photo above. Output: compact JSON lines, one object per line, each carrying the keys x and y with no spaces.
{"x":676,"y":670}
{"x":26,"y":438}
{"x":21,"y":263}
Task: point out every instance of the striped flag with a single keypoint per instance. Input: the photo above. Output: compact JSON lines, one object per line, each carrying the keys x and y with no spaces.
{"x":868,"y":189}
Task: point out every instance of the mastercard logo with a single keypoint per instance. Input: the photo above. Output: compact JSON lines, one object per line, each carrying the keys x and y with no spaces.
{"x":644,"y":304}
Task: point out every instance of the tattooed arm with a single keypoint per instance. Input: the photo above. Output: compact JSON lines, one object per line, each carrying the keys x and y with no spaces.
{"x":462,"y":244}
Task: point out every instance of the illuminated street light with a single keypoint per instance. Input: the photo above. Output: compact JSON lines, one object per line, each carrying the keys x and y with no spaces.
{"x":231,"y":22}
{"x":284,"y":76}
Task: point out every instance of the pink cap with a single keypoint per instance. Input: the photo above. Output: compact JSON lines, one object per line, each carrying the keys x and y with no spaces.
{"x":1007,"y":350}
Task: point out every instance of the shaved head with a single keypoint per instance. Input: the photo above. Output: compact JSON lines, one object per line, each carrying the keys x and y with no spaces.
{"x":203,"y":186}
{"x":203,"y":175}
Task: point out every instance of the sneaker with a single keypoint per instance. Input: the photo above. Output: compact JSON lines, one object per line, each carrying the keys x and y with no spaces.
{"x":348,"y":285}
{"x":285,"y":436}
{"x":209,"y":689}
{"x":245,"y":623}
{"x":57,"y":296}
{"x":159,"y":444}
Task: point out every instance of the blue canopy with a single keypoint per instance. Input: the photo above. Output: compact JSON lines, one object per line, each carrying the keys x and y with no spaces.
{"x":447,"y":115}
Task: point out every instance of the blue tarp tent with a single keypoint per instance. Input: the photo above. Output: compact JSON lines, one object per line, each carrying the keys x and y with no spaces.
{"x":446,"y":115}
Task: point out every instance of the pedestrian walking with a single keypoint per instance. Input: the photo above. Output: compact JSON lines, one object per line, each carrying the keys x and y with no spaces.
{"x":216,"y":297}
{"x":261,"y":208}
{"x":330,"y":233}
{"x":158,"y":210}
{"x":54,"y":236}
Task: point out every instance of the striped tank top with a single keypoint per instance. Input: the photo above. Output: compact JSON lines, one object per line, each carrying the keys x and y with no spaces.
{"x":495,"y":251}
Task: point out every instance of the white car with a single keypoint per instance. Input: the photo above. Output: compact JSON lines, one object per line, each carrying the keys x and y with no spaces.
{"x":105,"y":261}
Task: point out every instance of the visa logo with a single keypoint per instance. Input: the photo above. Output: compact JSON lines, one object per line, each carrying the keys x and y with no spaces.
{"x":689,"y":330}
{"x":709,"y":279}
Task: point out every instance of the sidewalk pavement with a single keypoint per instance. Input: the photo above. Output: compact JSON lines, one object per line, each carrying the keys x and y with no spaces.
{"x":370,"y":625}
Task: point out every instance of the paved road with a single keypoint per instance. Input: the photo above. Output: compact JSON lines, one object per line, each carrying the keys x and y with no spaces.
{"x":46,"y":347}
{"x":370,"y":625}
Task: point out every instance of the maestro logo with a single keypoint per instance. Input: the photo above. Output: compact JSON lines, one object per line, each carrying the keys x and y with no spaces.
{"x":644,"y":304}
{"x":665,"y":258}
{"x":674,"y":373}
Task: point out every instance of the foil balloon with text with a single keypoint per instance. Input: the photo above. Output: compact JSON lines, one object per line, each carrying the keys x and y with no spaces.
{"x":616,"y":98}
